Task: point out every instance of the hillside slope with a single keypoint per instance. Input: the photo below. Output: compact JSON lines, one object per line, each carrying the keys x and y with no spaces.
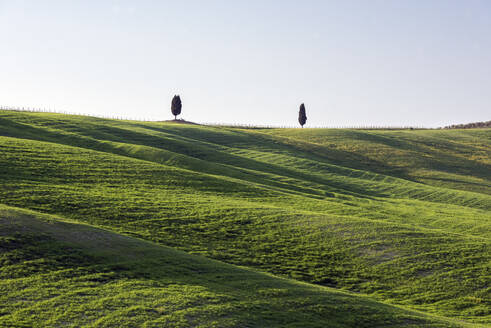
{"x":56,"y":273}
{"x":407,"y":223}
{"x":453,"y":159}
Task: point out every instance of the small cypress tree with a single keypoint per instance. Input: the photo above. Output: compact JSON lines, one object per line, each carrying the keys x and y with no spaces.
{"x":176,"y":106}
{"x":302,"y":117}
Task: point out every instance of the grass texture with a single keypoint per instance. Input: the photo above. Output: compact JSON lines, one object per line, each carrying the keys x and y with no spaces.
{"x":401,"y":216}
{"x":57,"y":273}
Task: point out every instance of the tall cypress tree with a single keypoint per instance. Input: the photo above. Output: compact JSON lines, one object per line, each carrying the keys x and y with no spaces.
{"x":176,"y":106}
{"x":302,"y":117}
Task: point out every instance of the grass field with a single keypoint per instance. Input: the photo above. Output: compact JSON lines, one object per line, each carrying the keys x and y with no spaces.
{"x":57,"y":273}
{"x":400,"y":216}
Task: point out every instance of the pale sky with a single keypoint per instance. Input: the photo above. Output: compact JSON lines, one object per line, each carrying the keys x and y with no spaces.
{"x":385,"y":63}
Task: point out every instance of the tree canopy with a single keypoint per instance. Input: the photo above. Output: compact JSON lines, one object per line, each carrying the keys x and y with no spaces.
{"x":176,"y":106}
{"x":302,"y":117}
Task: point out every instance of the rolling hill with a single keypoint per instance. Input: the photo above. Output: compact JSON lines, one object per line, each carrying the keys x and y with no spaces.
{"x":400,"y":216}
{"x":58,"y":273}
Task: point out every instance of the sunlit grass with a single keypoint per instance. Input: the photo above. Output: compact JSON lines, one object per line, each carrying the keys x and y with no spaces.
{"x":400,"y":215}
{"x":55,"y":273}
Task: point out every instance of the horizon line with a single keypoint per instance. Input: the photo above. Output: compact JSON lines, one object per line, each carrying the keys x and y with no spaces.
{"x":217,"y":124}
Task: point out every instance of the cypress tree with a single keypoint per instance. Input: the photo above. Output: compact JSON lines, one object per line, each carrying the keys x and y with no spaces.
{"x":176,"y":106}
{"x":302,"y":117}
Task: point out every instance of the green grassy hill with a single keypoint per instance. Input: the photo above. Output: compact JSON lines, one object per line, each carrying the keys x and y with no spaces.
{"x":57,"y":273}
{"x":402,"y":216}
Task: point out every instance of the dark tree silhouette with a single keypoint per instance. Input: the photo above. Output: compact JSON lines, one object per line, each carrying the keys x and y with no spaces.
{"x":302,"y":117}
{"x":475,"y":125}
{"x":176,"y":106}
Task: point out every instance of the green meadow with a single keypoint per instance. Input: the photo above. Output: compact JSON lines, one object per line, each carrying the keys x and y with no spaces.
{"x":112,"y":223}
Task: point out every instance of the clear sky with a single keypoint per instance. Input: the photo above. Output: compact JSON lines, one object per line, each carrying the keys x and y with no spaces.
{"x":420,"y":63}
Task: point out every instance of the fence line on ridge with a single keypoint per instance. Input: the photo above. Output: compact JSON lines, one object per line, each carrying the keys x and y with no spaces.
{"x":214,"y":124}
